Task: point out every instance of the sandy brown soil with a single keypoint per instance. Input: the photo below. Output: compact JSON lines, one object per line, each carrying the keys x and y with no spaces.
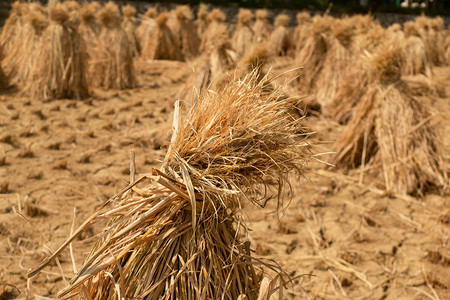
{"x":336,"y":239}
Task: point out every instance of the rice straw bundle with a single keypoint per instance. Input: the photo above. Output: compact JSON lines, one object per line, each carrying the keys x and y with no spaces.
{"x":215,"y":19}
{"x":11,"y":30}
{"x":370,"y":40}
{"x":312,"y":55}
{"x":261,"y":28}
{"x":129,"y":24}
{"x":184,"y":30}
{"x":58,"y":71}
{"x":302,"y":30}
{"x":201,"y":22}
{"x":147,"y":26}
{"x":162,"y":44}
{"x":176,"y":234}
{"x":211,"y":67}
{"x":253,"y":61}
{"x":339,"y":58}
{"x":112,"y":59}
{"x":390,"y":124}
{"x":89,"y":29}
{"x":242,"y":38}
{"x":416,"y":60}
{"x":431,"y":33}
{"x":280,"y":38}
{"x":71,"y":5}
{"x":20,"y":59}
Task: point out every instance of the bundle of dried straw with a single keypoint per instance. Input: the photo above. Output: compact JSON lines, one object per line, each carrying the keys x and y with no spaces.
{"x":261,"y":28}
{"x":242,"y":38}
{"x":201,"y":22}
{"x":58,"y":71}
{"x":129,"y":24}
{"x":162,"y":44}
{"x":176,"y":233}
{"x":280,"y":39}
{"x":390,"y":124}
{"x":147,"y":26}
{"x":302,"y":30}
{"x":89,"y":29}
{"x":182,"y":27}
{"x":111,"y":64}
{"x":215,"y":19}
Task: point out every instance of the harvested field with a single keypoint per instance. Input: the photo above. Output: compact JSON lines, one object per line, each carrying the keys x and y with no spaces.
{"x":338,"y":234}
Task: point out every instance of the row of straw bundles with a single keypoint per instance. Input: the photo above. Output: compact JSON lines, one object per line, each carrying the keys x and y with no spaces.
{"x":62,"y":59}
{"x":178,"y":234}
{"x":388,"y":125}
{"x":58,"y":70}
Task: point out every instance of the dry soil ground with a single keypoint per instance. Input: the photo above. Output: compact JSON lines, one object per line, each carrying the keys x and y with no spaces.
{"x":337,"y":239}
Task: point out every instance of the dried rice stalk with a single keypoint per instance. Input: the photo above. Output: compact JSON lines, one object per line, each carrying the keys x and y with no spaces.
{"x":162,"y":44}
{"x":242,"y":38}
{"x":112,"y":59}
{"x":280,"y":38}
{"x":183,"y":29}
{"x":179,"y":235}
{"x":261,"y":28}
{"x":146,"y":28}
{"x":59,"y":68}
{"x":390,"y":121}
{"x":129,"y":24}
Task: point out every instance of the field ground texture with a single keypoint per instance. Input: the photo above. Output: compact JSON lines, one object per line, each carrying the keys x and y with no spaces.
{"x":336,"y":238}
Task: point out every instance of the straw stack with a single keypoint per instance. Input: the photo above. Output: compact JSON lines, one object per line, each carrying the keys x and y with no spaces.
{"x":312,"y":55}
{"x":201,"y":22}
{"x":162,"y":44}
{"x":12,"y":30}
{"x":302,"y":30}
{"x":242,"y":38}
{"x":129,"y":24}
{"x":280,"y":39}
{"x":89,"y":29}
{"x":181,"y":25}
{"x":58,"y":70}
{"x":431,"y":31}
{"x":339,"y":58}
{"x":211,"y":68}
{"x":147,"y":26}
{"x":19,"y":60}
{"x":112,"y":59}
{"x":261,"y":28}
{"x":177,"y":234}
{"x":416,"y":59}
{"x":389,"y":125}
{"x":215,"y":19}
